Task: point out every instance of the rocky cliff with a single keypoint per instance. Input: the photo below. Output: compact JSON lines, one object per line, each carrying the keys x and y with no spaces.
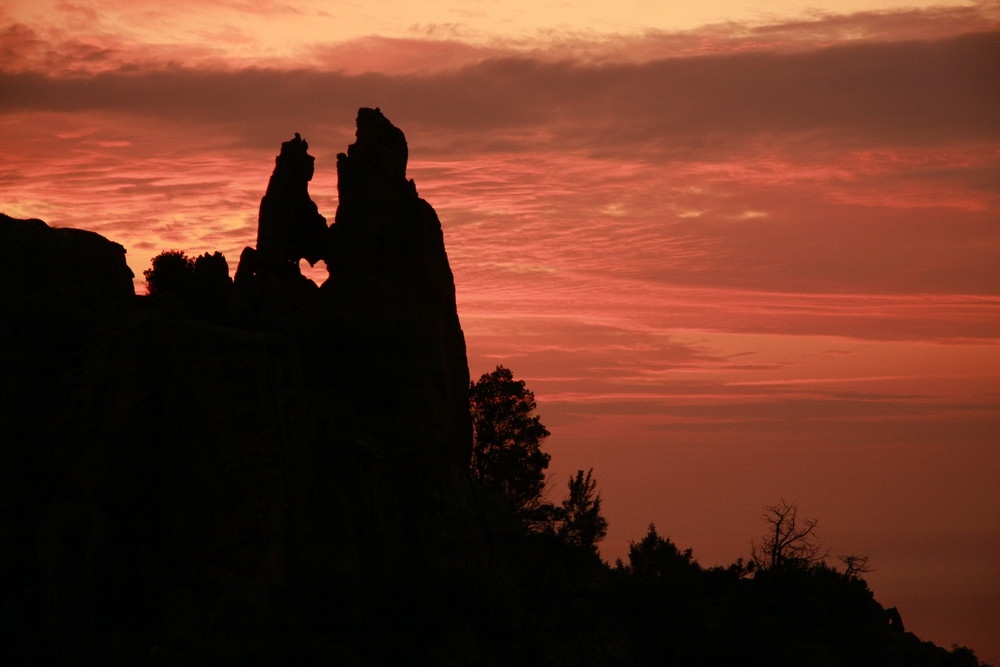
{"x":264,"y":471}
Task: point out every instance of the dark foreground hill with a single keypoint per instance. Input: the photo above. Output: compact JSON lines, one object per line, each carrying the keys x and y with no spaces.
{"x":263,"y":471}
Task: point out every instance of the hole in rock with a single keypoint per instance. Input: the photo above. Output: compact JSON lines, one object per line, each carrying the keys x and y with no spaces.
{"x":318,"y":274}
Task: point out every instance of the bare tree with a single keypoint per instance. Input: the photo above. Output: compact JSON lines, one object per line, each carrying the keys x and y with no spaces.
{"x":789,"y":543}
{"x":855,"y":566}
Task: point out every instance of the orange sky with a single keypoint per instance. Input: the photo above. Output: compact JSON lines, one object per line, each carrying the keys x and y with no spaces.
{"x":739,"y":251}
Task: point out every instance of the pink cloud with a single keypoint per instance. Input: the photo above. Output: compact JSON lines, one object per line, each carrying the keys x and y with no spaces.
{"x":860,"y":96}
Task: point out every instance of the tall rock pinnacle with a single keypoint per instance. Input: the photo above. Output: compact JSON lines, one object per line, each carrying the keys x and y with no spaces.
{"x":387,"y":257}
{"x":393,"y":292}
{"x":289,"y":227}
{"x":375,"y":164}
{"x":386,"y":319}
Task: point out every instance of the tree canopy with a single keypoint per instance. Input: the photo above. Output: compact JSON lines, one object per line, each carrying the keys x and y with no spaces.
{"x":172,"y":271}
{"x":507,"y":435}
{"x":656,"y":557}
{"x":582,"y":522}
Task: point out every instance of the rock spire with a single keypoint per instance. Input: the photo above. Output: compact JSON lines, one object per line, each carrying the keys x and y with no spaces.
{"x":289,"y":226}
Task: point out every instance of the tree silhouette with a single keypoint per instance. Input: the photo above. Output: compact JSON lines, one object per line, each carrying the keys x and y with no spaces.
{"x":789,"y":543}
{"x":656,"y":557}
{"x":855,"y":566}
{"x":172,"y":272}
{"x":583,"y":526}
{"x":506,"y":454}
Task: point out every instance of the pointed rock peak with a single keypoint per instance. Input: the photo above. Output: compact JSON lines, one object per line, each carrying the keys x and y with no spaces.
{"x":289,"y":226}
{"x":294,"y":162}
{"x":380,"y":145}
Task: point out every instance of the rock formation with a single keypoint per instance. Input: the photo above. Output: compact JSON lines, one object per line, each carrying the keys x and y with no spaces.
{"x":289,"y":226}
{"x":394,"y":295}
{"x":281,"y":479}
{"x":388,"y":308}
{"x":67,"y":264}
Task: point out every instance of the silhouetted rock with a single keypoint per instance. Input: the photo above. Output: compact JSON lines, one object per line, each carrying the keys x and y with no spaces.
{"x":212,"y":271}
{"x":895,"y":620}
{"x":374,"y":168}
{"x":252,"y":471}
{"x":246,"y":270}
{"x":70,"y":264}
{"x":58,"y":288}
{"x":393,"y":294}
{"x":289,"y":226}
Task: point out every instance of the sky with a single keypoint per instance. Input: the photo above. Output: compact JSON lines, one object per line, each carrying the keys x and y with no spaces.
{"x":740,"y":251}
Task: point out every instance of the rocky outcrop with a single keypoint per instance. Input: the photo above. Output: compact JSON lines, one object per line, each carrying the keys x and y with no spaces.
{"x":283,"y":479}
{"x":289,"y":226}
{"x":61,"y":264}
{"x":56,"y":287}
{"x":386,"y":326}
{"x":393,"y":296}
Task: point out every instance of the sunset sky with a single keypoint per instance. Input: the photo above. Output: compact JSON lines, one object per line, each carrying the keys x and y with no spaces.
{"x":740,"y":250}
